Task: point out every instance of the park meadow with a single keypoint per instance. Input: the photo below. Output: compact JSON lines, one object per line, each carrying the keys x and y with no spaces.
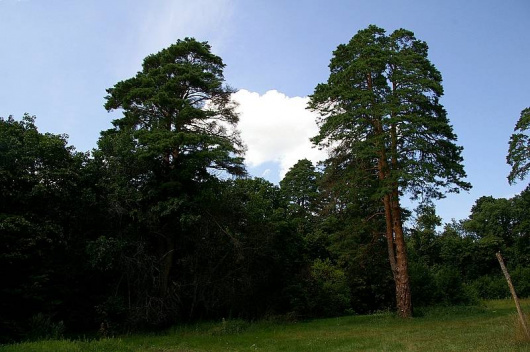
{"x":490,"y":326}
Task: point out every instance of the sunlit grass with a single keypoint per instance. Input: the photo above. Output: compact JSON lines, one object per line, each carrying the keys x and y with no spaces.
{"x":491,"y":327}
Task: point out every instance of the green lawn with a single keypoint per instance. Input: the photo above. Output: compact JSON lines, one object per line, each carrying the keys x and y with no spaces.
{"x":492,"y":327}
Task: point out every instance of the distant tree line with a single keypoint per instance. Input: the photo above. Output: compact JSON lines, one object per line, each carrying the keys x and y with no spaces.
{"x":161,"y":224}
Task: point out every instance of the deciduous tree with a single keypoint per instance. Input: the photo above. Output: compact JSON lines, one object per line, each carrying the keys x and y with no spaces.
{"x":45,"y":206}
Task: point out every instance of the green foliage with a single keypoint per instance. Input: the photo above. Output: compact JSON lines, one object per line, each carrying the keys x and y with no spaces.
{"x":444,"y":266}
{"x":451,"y":289}
{"x":492,"y":217}
{"x":300,"y":186}
{"x":491,"y":287}
{"x":44,"y":203}
{"x":519,"y":148}
{"x":159,"y":165}
{"x":42,"y":327}
{"x":150,"y":230}
{"x":382,"y":122}
{"x":254,"y":213}
{"x":422,"y":242}
{"x":440,"y":286}
{"x":348,"y":233}
{"x":499,"y":225}
{"x":521,"y":280}
{"x":423,"y":285}
{"x":104,"y":253}
{"x":179,"y":113}
{"x":329,"y":294}
{"x":380,"y":84}
{"x":459,"y":264}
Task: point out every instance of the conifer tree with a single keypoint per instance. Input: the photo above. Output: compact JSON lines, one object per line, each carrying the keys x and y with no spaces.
{"x":380,"y":112}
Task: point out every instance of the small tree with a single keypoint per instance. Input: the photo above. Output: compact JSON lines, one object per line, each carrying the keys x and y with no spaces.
{"x":300,"y":186}
{"x":380,"y":112}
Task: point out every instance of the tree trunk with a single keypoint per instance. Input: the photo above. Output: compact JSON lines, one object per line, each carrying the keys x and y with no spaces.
{"x":402,"y":280}
{"x":166,"y":265}
{"x":390,"y":236}
{"x":403,"y":295}
{"x":397,"y":251}
{"x":397,"y":255}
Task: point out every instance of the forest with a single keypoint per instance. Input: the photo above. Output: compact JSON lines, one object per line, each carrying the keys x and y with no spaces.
{"x":161,"y":224}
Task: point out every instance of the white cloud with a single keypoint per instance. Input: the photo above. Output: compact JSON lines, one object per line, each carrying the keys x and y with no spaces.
{"x":277,"y":128}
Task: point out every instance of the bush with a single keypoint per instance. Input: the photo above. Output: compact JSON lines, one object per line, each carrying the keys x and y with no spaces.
{"x":521,"y":281}
{"x":110,"y":315}
{"x":495,"y":287}
{"x":488,"y":287}
{"x":330,"y":291}
{"x":423,"y":285}
{"x":41,"y":327}
{"x":324,"y":292}
{"x":450,"y":288}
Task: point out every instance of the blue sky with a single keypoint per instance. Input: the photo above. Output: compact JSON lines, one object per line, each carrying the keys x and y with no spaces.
{"x":58,"y":57}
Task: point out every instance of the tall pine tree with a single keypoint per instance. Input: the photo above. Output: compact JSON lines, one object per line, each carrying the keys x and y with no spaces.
{"x":178,"y":132}
{"x":380,"y":112}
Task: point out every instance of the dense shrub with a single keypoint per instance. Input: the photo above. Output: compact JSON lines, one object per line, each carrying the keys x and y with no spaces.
{"x":43,"y":327}
{"x":423,"y":285}
{"x":331,"y":295}
{"x":450,"y":288}
{"x":521,"y":281}
{"x":491,"y":287}
{"x":324,"y":292}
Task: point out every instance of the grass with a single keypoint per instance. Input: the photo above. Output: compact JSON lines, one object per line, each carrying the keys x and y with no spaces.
{"x":491,"y":327}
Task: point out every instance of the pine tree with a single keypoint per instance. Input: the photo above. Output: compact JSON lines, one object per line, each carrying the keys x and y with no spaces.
{"x":380,"y":113}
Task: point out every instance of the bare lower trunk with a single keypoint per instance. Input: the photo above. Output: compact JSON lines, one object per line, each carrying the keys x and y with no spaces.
{"x":389,"y":233}
{"x":397,"y":256}
{"x":397,"y":251}
{"x":403,"y":296}
{"x":166,"y":265}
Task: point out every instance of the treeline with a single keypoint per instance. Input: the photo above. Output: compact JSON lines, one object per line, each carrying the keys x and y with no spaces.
{"x":161,"y":224}
{"x":80,"y":249}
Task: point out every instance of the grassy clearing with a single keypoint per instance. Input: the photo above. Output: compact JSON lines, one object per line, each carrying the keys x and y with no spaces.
{"x":491,"y":327}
